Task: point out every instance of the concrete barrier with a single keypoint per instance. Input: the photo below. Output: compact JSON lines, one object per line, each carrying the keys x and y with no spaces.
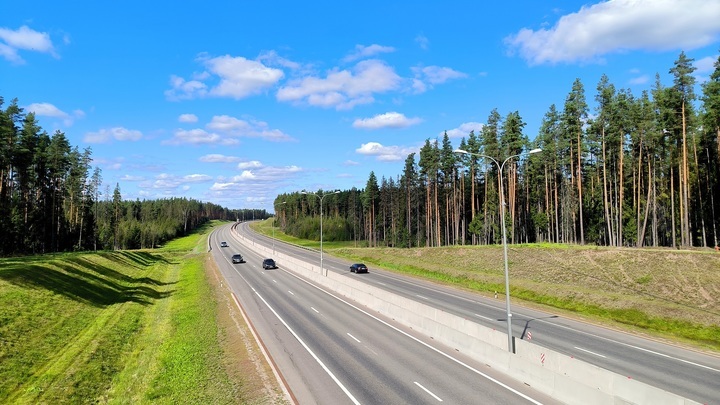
{"x":563,"y":377}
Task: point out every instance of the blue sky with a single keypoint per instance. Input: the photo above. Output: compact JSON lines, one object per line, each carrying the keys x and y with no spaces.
{"x":235,"y":102}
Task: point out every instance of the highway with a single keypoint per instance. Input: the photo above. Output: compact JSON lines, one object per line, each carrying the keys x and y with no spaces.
{"x":332,"y":351}
{"x":688,"y":373}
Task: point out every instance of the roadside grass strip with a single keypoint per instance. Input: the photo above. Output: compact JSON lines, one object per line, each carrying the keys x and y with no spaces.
{"x":122,"y":327}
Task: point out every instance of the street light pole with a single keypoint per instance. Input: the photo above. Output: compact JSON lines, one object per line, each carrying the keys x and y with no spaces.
{"x":321,"y":225}
{"x":273,"y":227}
{"x":504,"y":232}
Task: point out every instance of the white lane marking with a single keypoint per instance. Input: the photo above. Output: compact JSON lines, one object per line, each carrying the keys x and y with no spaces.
{"x":588,"y":351}
{"x":484,"y":317}
{"x":304,"y":345}
{"x":356,"y":339}
{"x":274,"y":281}
{"x":493,"y":307}
{"x":438,"y":351}
{"x":291,"y":293}
{"x":633,"y":346}
{"x":422,"y":297}
{"x":428,"y":391}
{"x":315,"y":310}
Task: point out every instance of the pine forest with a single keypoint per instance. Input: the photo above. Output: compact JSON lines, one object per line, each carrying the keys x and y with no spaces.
{"x":634,"y":170}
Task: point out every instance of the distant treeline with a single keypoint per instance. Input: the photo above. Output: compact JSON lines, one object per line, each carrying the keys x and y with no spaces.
{"x":51,"y":201}
{"x":637,"y":170}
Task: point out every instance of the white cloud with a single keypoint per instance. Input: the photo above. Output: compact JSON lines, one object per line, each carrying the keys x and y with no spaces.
{"x":706,"y":65}
{"x":464,"y":130}
{"x":256,"y":180}
{"x":217,"y":158}
{"x":49,"y":110}
{"x":253,"y":164}
{"x":385,"y":153}
{"x":128,"y":177}
{"x":24,"y":38}
{"x":170,"y":182}
{"x":117,"y":133}
{"x":427,"y":76}
{"x":422,"y":41}
{"x":240,"y":77}
{"x":252,"y":129}
{"x":342,"y":89}
{"x":185,"y":90}
{"x":196,"y":178}
{"x":198,"y":137}
{"x":642,"y":79}
{"x":188,"y":118}
{"x":272,"y":58}
{"x":387,"y":120}
{"x":620,"y":25}
{"x":362,"y":52}
{"x":351,"y":163}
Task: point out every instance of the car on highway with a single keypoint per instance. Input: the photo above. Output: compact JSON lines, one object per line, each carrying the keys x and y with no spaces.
{"x":269,"y":264}
{"x":224,"y":244}
{"x":358,"y":268}
{"x":237,"y":258}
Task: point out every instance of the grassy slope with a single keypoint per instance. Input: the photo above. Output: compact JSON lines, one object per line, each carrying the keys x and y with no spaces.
{"x":121,"y":327}
{"x":666,"y":293}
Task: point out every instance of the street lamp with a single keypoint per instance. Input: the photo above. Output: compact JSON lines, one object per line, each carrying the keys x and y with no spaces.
{"x":273,"y":227}
{"x":502,"y":219}
{"x":321,"y":227}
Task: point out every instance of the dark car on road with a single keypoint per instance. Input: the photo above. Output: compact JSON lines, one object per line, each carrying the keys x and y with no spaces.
{"x":269,"y":264}
{"x":237,"y":258}
{"x":358,"y":268}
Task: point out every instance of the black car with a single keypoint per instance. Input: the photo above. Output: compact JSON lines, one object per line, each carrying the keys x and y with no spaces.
{"x":237,"y":258}
{"x":358,"y":268}
{"x":269,"y":264}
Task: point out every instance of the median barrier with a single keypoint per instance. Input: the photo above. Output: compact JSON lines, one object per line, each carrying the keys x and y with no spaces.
{"x":560,"y":376}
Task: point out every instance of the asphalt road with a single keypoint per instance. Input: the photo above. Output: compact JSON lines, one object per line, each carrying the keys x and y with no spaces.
{"x":332,"y":351}
{"x":688,"y":373}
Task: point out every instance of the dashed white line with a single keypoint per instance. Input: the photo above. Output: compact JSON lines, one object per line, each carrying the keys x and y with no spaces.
{"x":291,"y":293}
{"x":356,"y":339}
{"x":484,"y":317}
{"x":422,"y":297}
{"x":428,"y":391}
{"x":588,"y":351}
{"x":315,"y":310}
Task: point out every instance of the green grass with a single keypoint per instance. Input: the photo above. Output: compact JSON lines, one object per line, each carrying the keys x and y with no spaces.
{"x":113,"y":327}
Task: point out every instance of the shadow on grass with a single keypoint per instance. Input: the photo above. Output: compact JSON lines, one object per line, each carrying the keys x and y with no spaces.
{"x":85,"y":283}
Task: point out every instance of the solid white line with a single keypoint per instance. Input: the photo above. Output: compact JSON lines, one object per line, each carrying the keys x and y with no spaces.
{"x":588,"y":351}
{"x":356,"y":339}
{"x":438,"y":351}
{"x":428,"y":391}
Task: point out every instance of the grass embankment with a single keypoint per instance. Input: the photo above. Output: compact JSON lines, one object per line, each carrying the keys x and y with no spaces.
{"x":666,"y":293}
{"x":121,"y":327}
